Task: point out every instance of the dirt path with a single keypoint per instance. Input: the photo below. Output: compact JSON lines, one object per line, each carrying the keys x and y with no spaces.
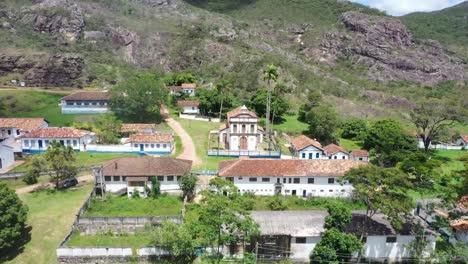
{"x":189,"y":152}
{"x":30,"y":188}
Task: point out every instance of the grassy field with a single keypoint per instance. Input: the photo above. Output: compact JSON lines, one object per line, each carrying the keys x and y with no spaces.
{"x":290,"y":125}
{"x":140,"y":239}
{"x":297,"y":203}
{"x":450,"y":159}
{"x":83,"y":159}
{"x":349,"y":144}
{"x":39,"y":104}
{"x":50,"y":215}
{"x":165,"y":205}
{"x":178,"y":145}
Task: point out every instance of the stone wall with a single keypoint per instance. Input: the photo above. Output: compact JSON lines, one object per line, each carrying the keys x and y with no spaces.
{"x":100,"y":225}
{"x":92,"y":255}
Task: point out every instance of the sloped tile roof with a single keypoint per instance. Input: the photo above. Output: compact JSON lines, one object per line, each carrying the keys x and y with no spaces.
{"x":22,"y":123}
{"x":57,"y":132}
{"x":150,"y":138}
{"x":301,"y":142}
{"x":88,"y":96}
{"x":279,"y":168}
{"x":146,"y":166}
{"x":464,"y":137}
{"x":332,"y":149}
{"x":188,"y":103}
{"x":240,"y":110}
{"x":189,"y":85}
{"x":463,"y":203}
{"x":360,"y":153}
{"x":136,"y":127}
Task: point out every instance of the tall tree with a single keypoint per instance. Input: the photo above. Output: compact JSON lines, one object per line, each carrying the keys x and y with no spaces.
{"x":139,"y":98}
{"x":34,"y":170}
{"x":432,"y":116}
{"x":278,"y":104}
{"x":178,"y":240}
{"x":187,"y":184}
{"x":338,"y":217}
{"x":107,"y":129}
{"x":335,"y":247}
{"x":280,"y":91}
{"x":270,"y":74}
{"x":313,"y":99}
{"x":420,"y":169}
{"x":61,"y":161}
{"x":223,"y":87}
{"x":388,"y":142}
{"x":382,"y":190}
{"x":13,"y":215}
{"x":323,"y":122}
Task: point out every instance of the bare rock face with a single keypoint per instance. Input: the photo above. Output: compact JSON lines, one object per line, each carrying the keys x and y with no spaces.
{"x":59,"y":70}
{"x":387,"y":48}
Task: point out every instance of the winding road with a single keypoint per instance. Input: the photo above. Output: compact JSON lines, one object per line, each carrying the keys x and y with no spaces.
{"x":189,"y":152}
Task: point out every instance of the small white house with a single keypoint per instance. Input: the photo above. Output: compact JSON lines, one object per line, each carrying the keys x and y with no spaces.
{"x":185,"y":88}
{"x":189,"y":107}
{"x":359,"y":154}
{"x":39,"y":140}
{"x":335,"y":152}
{"x":156,"y":143}
{"x":304,"y":147}
{"x":133,"y":174}
{"x":462,"y":141}
{"x":16,"y":127}
{"x":85,"y":102}
{"x":7,"y":156}
{"x":289,"y":177}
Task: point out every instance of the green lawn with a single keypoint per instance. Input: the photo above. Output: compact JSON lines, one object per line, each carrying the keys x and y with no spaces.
{"x":83,"y":159}
{"x":349,"y":144}
{"x":178,"y":145}
{"x":449,"y":159}
{"x":22,"y":103}
{"x":51,"y":214}
{"x":297,"y":203}
{"x":291,"y":125}
{"x":141,"y":238}
{"x":19,"y":183}
{"x":165,"y":205}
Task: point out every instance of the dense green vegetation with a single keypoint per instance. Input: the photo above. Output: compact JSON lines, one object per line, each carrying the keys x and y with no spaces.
{"x":164,"y":205}
{"x":141,"y":238}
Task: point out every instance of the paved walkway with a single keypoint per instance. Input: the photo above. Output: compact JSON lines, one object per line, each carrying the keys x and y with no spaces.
{"x":189,"y":152}
{"x":30,"y":188}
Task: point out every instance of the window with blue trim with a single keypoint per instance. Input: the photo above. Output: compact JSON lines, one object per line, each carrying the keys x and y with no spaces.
{"x":303,"y":155}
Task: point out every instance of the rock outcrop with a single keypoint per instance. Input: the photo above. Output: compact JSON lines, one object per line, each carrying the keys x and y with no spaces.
{"x":58,"y":70}
{"x":387,"y":48}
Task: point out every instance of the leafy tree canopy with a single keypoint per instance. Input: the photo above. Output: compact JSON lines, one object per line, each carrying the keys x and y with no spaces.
{"x":335,"y":247}
{"x":323,"y":122}
{"x":177,"y":79}
{"x":339,"y":216}
{"x":279,"y":105}
{"x":354,"y":128}
{"x":60,"y":160}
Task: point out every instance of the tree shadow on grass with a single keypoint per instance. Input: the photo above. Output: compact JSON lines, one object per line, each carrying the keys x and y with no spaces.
{"x":221,"y":6}
{"x":18,"y":247}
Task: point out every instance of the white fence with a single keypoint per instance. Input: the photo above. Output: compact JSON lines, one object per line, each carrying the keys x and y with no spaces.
{"x":446,"y":147}
{"x":109,"y":148}
{"x":93,"y":252}
{"x":239,"y":153}
{"x":199,"y":118}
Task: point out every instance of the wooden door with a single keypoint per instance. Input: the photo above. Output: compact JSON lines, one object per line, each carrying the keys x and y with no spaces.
{"x":243,"y":143}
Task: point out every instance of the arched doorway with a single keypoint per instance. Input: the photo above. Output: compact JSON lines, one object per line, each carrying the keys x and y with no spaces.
{"x":243,"y":143}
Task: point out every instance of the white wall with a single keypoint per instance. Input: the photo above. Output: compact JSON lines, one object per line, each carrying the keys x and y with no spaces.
{"x":153,"y":147}
{"x":339,"y":155}
{"x":359,"y":158}
{"x":7,"y":156}
{"x":377,"y":247}
{"x":190,"y":110}
{"x":302,"y":251}
{"x":310,"y":153}
{"x":320,"y":187}
{"x":16,"y":132}
{"x":117,"y":183}
{"x":32,"y":144}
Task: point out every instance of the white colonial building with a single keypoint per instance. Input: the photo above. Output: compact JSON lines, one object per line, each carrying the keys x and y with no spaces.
{"x":304,"y":147}
{"x":289,"y":177}
{"x":185,"y":88}
{"x":7,"y":156}
{"x":85,"y":102}
{"x":133,"y":174}
{"x":155,"y":143}
{"x":189,"y":107}
{"x":241,"y":131}
{"x":39,"y":140}
{"x":16,"y":127}
{"x":358,"y":154}
{"x":333,"y":151}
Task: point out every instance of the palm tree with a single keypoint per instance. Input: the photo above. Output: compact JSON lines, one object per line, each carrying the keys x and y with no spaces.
{"x":281,"y":90}
{"x":269,"y":74}
{"x":223,"y":87}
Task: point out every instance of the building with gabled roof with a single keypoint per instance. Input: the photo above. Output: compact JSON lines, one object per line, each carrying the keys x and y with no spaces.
{"x":189,"y":107}
{"x":128,"y":129}
{"x":462,"y":141}
{"x":152,"y":143}
{"x":333,"y":151}
{"x":16,"y":127}
{"x":185,"y":88}
{"x":133,"y":174}
{"x":39,"y":140}
{"x":359,"y":154}
{"x":85,"y":102}
{"x":304,"y":147}
{"x":289,"y":177}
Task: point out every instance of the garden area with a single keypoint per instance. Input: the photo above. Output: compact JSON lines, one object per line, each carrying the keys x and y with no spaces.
{"x":163,"y":205}
{"x":142,"y":237}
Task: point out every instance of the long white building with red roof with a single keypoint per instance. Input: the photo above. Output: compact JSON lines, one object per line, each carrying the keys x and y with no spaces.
{"x":39,"y":140}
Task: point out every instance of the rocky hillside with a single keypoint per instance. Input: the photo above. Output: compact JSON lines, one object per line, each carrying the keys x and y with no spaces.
{"x":351,"y":53}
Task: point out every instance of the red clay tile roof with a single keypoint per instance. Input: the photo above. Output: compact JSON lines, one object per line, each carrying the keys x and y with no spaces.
{"x":189,"y":86}
{"x":463,"y":202}
{"x":22,"y":123}
{"x":279,"y":167}
{"x":147,"y":166}
{"x":188,"y":103}
{"x":240,"y":110}
{"x":332,"y":149}
{"x":301,"y":142}
{"x":460,"y":224}
{"x":57,"y":132}
{"x":88,"y":96}
{"x":150,"y":138}
{"x":126,"y":128}
{"x":360,"y":153}
{"x":464,"y":137}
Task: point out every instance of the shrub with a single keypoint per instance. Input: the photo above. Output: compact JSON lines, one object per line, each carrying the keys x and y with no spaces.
{"x":277,"y":203}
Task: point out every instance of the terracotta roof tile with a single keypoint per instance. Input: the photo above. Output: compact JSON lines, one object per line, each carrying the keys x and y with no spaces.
{"x":188,"y":103}
{"x":189,"y":86}
{"x":147,"y":166}
{"x":360,"y":153}
{"x":241,"y":110}
{"x":463,"y":203}
{"x":460,"y":224}
{"x":22,"y":123}
{"x":57,"y":132}
{"x":150,"y":138}
{"x":88,"y":96}
{"x":279,"y":168}
{"x":464,"y":137}
{"x":136,"y":127}
{"x":332,"y":149}
{"x":301,"y":142}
